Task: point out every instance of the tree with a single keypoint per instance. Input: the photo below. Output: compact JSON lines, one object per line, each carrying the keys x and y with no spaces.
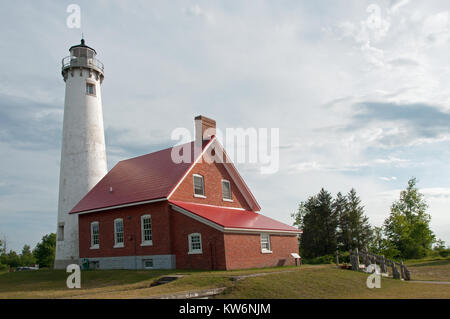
{"x":27,"y":258}
{"x":318,"y":222}
{"x":407,"y":228}
{"x":343,"y":220}
{"x":45,"y":251}
{"x":3,"y":245}
{"x":360,"y":230}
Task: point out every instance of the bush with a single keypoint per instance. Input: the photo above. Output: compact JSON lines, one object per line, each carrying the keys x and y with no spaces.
{"x":444,"y":252}
{"x":4,"y":267}
{"x":327,"y":259}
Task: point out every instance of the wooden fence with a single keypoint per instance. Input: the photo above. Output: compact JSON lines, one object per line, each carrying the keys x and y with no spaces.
{"x":368,"y":258}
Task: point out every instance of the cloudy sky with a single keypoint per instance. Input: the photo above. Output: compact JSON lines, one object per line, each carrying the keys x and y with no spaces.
{"x":358,"y":89}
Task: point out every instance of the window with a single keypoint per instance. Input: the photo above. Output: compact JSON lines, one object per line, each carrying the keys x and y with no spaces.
{"x":226,"y":190}
{"x":118,"y":233}
{"x":195,"y":243}
{"x":265,"y":243}
{"x":90,"y":88}
{"x":148,"y":263}
{"x":199,"y":188}
{"x":61,"y":232}
{"x":146,"y":230}
{"x":95,"y":240}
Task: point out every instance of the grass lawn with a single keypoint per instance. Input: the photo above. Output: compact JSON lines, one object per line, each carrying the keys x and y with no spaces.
{"x":307,"y":281}
{"x":433,"y":270}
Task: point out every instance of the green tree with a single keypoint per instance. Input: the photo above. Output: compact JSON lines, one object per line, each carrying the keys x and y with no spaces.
{"x":27,"y":258}
{"x":45,"y":251}
{"x":360,"y":229}
{"x":343,"y":232}
{"x":407,"y":229}
{"x":318,"y":222}
{"x":11,"y":259}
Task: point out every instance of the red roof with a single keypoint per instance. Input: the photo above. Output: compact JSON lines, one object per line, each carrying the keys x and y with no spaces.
{"x":149,"y":177}
{"x":138,"y":179}
{"x":235,"y":218}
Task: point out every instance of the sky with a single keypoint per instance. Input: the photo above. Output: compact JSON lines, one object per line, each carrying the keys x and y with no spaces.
{"x":358,"y":90}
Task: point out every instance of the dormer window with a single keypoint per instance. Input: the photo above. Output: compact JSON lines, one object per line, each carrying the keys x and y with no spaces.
{"x":199,"y":186}
{"x":226,"y":191}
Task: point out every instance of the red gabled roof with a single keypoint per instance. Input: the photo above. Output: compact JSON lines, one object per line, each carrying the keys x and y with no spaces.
{"x":138,"y":179}
{"x":145,"y":178}
{"x":234,"y":219}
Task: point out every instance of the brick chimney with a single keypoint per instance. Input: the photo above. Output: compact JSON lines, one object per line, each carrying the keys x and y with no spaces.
{"x":205,"y":128}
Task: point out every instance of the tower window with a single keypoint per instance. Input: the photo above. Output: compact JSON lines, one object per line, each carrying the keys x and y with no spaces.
{"x":199,"y":189}
{"x":60,"y":232}
{"x":90,"y":89}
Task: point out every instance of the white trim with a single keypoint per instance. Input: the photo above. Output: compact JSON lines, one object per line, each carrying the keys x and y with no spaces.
{"x":96,"y":246}
{"x":229,"y":229}
{"x":192,"y":166}
{"x":194,"y":251}
{"x":116,"y":244}
{"x":121,"y":206}
{"x":264,"y":250}
{"x":235,"y":175}
{"x":146,"y":242}
{"x":218,"y":206}
{"x":203,"y":185}
{"x":231,"y":194}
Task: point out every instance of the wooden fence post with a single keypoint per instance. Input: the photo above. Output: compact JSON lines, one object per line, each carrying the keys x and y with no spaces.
{"x":337,"y":258}
{"x":395,"y":273}
{"x":357,"y":258}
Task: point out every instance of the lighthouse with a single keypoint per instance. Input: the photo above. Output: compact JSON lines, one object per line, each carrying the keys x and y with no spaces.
{"x":83,"y":154}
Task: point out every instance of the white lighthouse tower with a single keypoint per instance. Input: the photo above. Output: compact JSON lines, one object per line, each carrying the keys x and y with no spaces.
{"x":83,"y":154}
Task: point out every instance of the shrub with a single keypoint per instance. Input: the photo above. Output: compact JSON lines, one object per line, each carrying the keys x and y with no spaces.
{"x":4,"y":267}
{"x":444,"y":252}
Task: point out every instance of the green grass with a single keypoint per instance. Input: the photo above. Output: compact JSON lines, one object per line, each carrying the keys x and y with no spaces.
{"x":329,"y":282}
{"x":307,"y":281}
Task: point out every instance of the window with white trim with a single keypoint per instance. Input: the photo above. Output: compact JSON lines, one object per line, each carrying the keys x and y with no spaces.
{"x":95,"y":239}
{"x":226,"y":190}
{"x":146,"y":230}
{"x":195,"y":243}
{"x":199,"y":186}
{"x":118,"y":233}
{"x":265,"y":243}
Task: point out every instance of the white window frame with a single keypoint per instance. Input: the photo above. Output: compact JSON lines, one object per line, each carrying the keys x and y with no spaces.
{"x":263,"y":249}
{"x":203,"y":185}
{"x":95,"y":246}
{"x":195,"y":251}
{"x":143,"y":241}
{"x":116,"y":244}
{"x":231,"y":194}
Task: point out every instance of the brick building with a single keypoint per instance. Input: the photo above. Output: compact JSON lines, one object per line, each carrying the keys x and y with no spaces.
{"x":157,"y":211}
